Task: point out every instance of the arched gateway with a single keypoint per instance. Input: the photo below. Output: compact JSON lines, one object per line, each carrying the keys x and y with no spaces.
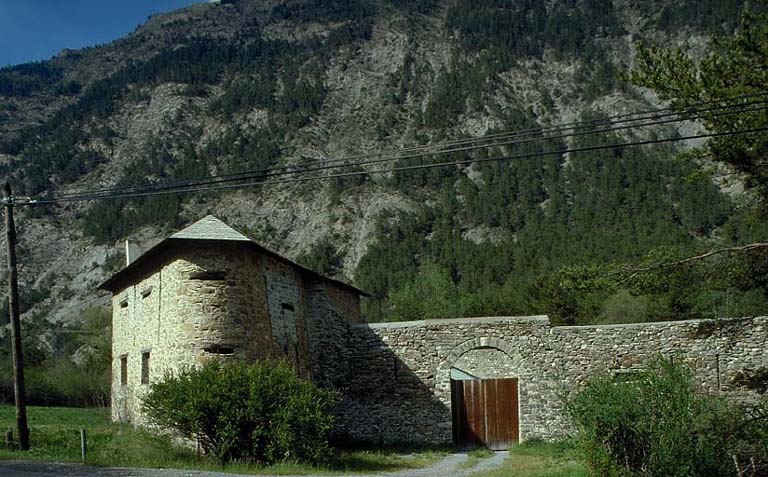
{"x":484,"y":390}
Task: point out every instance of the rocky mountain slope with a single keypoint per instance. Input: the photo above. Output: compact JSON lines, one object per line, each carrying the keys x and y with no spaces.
{"x":249,"y":84}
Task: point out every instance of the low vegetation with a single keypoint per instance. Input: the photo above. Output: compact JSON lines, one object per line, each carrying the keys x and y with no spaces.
{"x":65,"y":365}
{"x":654,"y":423}
{"x":55,"y":437}
{"x":540,"y":459}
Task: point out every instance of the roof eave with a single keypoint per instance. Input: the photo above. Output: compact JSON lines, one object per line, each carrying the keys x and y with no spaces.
{"x":110,"y":284}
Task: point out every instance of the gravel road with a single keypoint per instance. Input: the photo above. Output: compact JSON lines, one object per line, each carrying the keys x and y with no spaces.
{"x":446,"y":467}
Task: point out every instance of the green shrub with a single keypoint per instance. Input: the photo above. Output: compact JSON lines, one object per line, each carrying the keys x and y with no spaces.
{"x":654,"y":424}
{"x":257,"y":412}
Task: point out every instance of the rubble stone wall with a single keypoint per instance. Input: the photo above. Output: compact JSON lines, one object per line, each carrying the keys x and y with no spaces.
{"x":214,"y":301}
{"x":399,"y":385}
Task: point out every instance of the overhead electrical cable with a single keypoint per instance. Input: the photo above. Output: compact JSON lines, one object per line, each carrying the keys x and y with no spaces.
{"x":266,"y":173}
{"x":689,"y":115}
{"x":560,"y":152}
{"x":615,"y":118}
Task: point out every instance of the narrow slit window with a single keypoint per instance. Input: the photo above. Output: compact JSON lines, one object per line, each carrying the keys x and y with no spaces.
{"x":124,"y":303}
{"x":287,"y":306}
{"x":626,"y":375}
{"x":210,"y":275}
{"x":216,"y":349}
{"x":394,"y":368}
{"x":146,"y":292}
{"x":145,"y":367}
{"x":124,"y":370}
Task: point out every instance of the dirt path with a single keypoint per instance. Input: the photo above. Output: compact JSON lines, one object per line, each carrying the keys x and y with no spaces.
{"x":446,"y":467}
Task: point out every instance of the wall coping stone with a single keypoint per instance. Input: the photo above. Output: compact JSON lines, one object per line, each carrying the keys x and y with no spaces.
{"x":658,"y":324}
{"x":542,"y":319}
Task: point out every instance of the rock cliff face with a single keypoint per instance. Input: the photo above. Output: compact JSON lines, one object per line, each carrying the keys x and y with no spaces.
{"x":249,"y":84}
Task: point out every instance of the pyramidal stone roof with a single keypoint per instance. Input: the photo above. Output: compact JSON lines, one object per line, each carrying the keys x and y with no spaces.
{"x":210,"y":228}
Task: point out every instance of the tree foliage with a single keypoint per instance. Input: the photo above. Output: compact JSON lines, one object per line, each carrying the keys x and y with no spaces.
{"x":526,"y":28}
{"x":718,"y":16}
{"x":547,"y":228}
{"x":53,"y":377}
{"x":493,"y":237}
{"x":322,"y":258}
{"x":736,"y":66}
{"x":574,"y":220}
{"x":63,"y":155}
{"x":28,"y":78}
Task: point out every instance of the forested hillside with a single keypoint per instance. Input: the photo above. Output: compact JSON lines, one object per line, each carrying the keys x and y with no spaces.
{"x":244,"y":85}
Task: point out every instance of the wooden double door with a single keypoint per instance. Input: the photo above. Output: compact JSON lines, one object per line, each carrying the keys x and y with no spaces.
{"x":485,"y":413}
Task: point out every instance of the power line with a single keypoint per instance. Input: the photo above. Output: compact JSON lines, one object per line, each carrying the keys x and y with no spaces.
{"x":386,"y":156}
{"x":218,"y":179}
{"x":265,"y":173}
{"x":158,"y":192}
{"x":563,"y":126}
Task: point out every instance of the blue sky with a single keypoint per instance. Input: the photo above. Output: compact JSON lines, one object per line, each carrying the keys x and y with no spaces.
{"x":33,"y":30}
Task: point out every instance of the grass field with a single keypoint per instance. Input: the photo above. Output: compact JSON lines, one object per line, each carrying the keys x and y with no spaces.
{"x":55,"y":436}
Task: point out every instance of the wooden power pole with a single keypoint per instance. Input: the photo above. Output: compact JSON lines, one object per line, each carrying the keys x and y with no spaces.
{"x":13,"y":307}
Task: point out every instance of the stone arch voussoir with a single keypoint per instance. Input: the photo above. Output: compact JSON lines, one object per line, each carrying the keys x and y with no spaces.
{"x":482,"y":342}
{"x":443,"y":372}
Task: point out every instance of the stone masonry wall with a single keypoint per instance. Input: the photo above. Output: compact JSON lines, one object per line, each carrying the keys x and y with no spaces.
{"x":486,"y":363}
{"x":218,"y":301}
{"x":328,"y":339}
{"x":399,"y":385}
{"x":215,"y":301}
{"x":196,"y":305}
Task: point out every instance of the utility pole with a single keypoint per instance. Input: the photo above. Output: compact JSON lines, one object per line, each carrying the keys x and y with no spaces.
{"x":13,"y":307}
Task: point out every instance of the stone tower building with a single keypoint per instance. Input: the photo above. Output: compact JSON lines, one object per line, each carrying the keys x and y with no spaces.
{"x":208,"y":291}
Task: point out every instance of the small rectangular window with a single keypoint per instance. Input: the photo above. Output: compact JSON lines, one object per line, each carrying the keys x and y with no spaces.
{"x":146,"y":292}
{"x":124,"y":303}
{"x":124,"y":370}
{"x":145,"y":367}
{"x":287,"y":306}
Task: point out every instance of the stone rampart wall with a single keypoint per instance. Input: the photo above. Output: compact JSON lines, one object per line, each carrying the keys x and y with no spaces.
{"x":225,"y":302}
{"x":399,"y":379}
